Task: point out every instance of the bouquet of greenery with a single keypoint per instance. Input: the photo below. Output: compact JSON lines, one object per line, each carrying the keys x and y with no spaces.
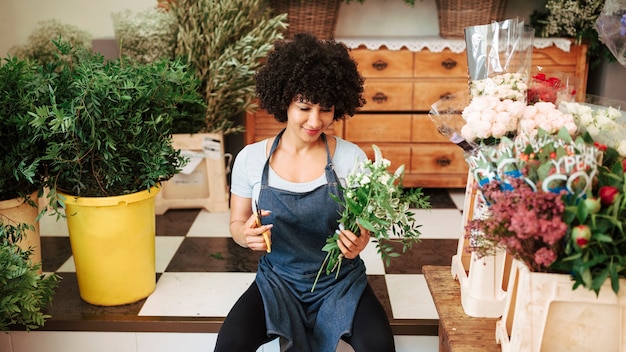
{"x":375,"y":199}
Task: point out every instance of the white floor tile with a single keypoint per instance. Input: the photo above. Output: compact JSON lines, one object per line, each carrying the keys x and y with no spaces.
{"x":179,"y":342}
{"x":373,"y":264}
{"x":196,"y":294}
{"x":70,"y":341}
{"x":458,"y":196}
{"x":405,"y":343}
{"x":439,"y":223}
{"x":165,"y":248}
{"x":210,"y":225}
{"x":49,"y":226}
{"x":68,"y":266}
{"x":409,"y":297}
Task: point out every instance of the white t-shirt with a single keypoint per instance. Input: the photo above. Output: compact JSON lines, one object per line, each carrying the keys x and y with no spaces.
{"x":248,"y":169}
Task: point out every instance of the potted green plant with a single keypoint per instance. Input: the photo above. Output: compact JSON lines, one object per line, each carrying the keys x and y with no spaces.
{"x":224,"y":55}
{"x":107,"y":134}
{"x":21,"y":170}
{"x":24,"y":291}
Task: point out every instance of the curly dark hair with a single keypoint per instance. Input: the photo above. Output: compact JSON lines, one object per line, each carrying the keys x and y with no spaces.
{"x":320,"y":71}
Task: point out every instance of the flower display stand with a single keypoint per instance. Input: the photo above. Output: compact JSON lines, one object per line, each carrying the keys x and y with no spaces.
{"x":484,"y":280}
{"x":543,"y":313}
{"x":202,"y":183}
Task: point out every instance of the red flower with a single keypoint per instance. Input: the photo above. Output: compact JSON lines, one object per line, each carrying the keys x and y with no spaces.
{"x":607,"y":195}
{"x":600,"y":146}
{"x":581,"y":235}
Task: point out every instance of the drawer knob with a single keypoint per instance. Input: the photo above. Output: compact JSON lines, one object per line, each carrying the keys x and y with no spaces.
{"x":379,"y":98}
{"x":446,"y":96}
{"x":448,"y":64}
{"x":379,"y":65}
{"x":443,"y":161}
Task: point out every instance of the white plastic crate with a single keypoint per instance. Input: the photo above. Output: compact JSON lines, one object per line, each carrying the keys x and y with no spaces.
{"x":483,"y":281}
{"x":543,"y":313}
{"x":202,"y":184}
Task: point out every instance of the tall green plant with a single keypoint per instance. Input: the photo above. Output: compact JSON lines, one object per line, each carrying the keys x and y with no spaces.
{"x":20,"y":91}
{"x":107,"y":124}
{"x":225,"y":42}
{"x":24,"y":293}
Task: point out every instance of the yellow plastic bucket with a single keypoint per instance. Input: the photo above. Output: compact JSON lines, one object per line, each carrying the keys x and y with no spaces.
{"x":113,"y":244}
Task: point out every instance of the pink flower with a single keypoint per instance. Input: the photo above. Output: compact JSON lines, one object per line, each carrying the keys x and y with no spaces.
{"x":545,"y":256}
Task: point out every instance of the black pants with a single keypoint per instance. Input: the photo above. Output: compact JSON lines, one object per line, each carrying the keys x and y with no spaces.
{"x":244,"y":328}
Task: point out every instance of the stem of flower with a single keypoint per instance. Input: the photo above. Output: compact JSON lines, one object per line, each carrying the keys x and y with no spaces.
{"x":320,"y":271}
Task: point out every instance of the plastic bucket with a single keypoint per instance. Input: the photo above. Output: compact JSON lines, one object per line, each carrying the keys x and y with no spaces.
{"x":113,"y":244}
{"x":17,"y":211}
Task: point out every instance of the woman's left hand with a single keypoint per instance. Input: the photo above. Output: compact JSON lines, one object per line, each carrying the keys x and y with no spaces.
{"x":350,"y":244}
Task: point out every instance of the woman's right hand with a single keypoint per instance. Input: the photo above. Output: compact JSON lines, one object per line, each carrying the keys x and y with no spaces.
{"x":254,"y":235}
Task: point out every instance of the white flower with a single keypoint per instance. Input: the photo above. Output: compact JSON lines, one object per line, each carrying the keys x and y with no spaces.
{"x":505,"y":86}
{"x":488,"y":116}
{"x":621,"y":148}
{"x":546,"y":116}
{"x":605,"y":124}
{"x":364,"y":180}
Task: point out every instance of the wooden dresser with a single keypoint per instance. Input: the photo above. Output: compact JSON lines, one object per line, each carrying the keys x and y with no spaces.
{"x":400,"y":86}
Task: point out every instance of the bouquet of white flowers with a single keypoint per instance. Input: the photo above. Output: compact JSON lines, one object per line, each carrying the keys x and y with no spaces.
{"x":602,"y":118}
{"x":375,"y":199}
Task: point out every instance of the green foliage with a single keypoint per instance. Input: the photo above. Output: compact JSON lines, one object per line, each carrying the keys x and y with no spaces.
{"x":39,"y":46}
{"x":573,"y":19}
{"x":375,"y":199}
{"x":24,"y":293}
{"x":225,"y":42}
{"x":20,"y":91}
{"x":602,"y":257}
{"x":107,"y":124}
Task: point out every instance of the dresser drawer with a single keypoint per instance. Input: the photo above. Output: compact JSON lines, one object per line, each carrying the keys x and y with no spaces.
{"x":378,"y":128}
{"x":398,"y":154}
{"x":424,"y":130}
{"x":384,"y":63}
{"x":260,"y":125}
{"x":443,"y":64}
{"x":437,"y":158}
{"x":388,"y":95}
{"x":426,"y":92}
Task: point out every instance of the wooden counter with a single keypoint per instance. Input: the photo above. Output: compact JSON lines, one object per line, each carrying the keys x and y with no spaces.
{"x":458,"y":332}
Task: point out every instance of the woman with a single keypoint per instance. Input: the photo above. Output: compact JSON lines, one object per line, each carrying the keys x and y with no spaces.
{"x":308,"y":84}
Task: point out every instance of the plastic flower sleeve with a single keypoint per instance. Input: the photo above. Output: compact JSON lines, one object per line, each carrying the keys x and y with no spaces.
{"x":499,"y":56}
{"x":446,"y":114}
{"x":551,"y":87}
{"x":611,"y":27}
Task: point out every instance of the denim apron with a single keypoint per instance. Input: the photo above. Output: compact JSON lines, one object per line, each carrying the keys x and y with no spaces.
{"x":306,"y":321}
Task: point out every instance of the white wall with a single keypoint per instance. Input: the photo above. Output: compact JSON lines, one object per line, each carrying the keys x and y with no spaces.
{"x":18,"y":18}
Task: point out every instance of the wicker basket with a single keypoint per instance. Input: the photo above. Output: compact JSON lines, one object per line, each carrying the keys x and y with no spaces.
{"x":456,"y":15}
{"x":318,"y":17}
